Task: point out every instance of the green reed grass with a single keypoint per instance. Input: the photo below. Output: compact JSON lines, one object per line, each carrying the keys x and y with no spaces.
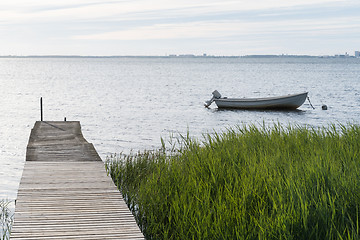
{"x":6,"y":219}
{"x":247,"y":183}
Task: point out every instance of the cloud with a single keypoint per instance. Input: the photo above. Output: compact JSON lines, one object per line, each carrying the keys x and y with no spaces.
{"x":70,"y":10}
{"x":95,"y":23}
{"x":163,"y":31}
{"x":221,"y":29}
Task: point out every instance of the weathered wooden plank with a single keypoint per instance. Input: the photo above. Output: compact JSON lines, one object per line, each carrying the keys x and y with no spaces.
{"x":59,"y":141}
{"x":65,"y":216}
{"x":84,"y":236}
{"x":65,"y":192}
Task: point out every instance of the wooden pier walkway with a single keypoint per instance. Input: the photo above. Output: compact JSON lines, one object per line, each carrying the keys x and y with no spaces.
{"x":65,"y":192}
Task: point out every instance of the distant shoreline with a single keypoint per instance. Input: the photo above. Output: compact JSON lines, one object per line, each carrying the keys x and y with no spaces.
{"x":179,"y":56}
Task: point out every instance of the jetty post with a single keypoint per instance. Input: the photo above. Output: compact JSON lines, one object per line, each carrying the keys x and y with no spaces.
{"x":41,"y":109}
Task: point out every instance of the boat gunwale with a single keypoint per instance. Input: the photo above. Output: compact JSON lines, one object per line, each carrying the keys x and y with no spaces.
{"x":259,"y":99}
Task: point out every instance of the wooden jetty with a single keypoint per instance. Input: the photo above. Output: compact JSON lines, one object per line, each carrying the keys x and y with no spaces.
{"x":65,"y":192}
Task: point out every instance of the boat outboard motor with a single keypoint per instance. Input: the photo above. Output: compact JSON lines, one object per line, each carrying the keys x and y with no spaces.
{"x":216,"y":95}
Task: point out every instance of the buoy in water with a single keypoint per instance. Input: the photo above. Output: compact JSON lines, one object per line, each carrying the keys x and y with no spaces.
{"x":324,"y":107}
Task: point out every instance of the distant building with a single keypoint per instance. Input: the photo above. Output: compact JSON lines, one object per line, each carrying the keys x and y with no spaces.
{"x":346,"y":55}
{"x":357,"y":54}
{"x":186,"y":55}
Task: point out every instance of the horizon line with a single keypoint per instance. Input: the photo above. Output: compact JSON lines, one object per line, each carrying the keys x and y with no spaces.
{"x":171,"y":56}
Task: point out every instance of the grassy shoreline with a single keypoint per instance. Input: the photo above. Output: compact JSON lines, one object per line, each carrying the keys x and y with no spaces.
{"x":6,"y":219}
{"x":247,"y":183}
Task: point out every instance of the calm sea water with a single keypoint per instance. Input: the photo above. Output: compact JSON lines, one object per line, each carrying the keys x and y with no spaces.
{"x":128,"y":104}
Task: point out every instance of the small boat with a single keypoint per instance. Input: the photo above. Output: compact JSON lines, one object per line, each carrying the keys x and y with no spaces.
{"x":292,"y":101}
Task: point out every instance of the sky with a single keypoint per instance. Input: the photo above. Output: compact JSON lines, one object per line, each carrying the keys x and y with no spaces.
{"x":164,"y":27}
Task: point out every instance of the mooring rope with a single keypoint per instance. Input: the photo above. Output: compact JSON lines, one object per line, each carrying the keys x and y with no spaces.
{"x":310,"y":102}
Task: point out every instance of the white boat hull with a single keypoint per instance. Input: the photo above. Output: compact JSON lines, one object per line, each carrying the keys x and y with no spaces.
{"x":283,"y":102}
